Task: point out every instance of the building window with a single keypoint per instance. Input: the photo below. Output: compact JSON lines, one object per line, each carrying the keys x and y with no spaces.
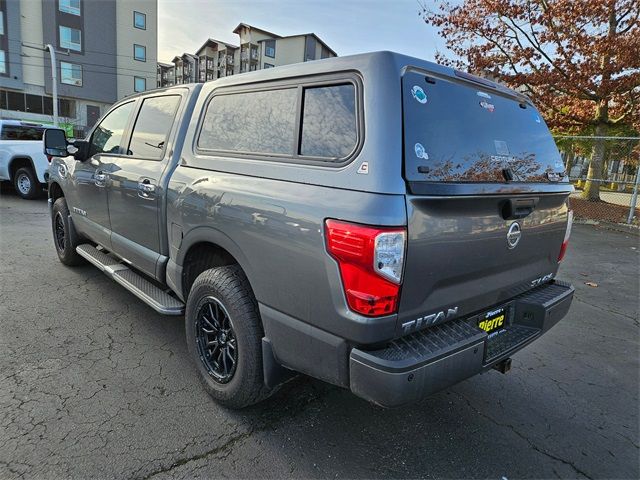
{"x":1,"y":22}
{"x":33,"y":104}
{"x":69,"y":6}
{"x":140,"y":52}
{"x":70,"y":38}
{"x":309,"y":48}
{"x":3,"y":63}
{"x":71,"y":74}
{"x":15,"y":101}
{"x":270,"y":48}
{"x":66,"y":108}
{"x":140,"y":20}
{"x":139,"y":84}
{"x":268,"y":65}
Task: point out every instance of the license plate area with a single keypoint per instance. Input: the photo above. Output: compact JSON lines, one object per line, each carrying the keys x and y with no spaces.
{"x":494,"y":321}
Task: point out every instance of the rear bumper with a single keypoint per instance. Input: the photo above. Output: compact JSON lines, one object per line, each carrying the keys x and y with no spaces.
{"x":420,"y":364}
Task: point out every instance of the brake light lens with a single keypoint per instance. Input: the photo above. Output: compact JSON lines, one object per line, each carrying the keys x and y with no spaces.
{"x":371,"y":261}
{"x":567,"y":234}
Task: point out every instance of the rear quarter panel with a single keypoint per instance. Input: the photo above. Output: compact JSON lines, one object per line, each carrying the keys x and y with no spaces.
{"x":32,"y":150}
{"x":275,"y":230}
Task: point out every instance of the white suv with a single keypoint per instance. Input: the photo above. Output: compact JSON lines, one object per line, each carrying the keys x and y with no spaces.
{"x":22,"y":160}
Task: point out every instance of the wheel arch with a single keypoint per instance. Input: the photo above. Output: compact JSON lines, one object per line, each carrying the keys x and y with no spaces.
{"x":19,"y":161}
{"x":55,"y":191}
{"x":206,"y":248}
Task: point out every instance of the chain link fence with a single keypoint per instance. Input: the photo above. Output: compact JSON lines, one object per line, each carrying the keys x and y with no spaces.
{"x":604,"y":172}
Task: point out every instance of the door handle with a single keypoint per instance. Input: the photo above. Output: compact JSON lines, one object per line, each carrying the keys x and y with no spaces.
{"x":513,"y":209}
{"x":100,"y":179}
{"x":146,"y":189}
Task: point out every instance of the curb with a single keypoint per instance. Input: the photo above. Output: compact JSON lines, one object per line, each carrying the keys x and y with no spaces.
{"x":618,"y":227}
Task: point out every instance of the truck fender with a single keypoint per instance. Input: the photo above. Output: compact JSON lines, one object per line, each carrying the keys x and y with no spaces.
{"x":207,"y":234}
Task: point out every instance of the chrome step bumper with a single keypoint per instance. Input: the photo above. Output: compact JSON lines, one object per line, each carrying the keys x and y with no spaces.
{"x":142,"y":288}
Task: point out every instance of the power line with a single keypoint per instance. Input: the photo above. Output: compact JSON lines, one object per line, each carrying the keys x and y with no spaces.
{"x":72,"y":60}
{"x":89,"y":70}
{"x":22,"y":41}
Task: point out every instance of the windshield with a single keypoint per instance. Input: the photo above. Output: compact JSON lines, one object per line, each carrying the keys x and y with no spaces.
{"x":456,"y":131}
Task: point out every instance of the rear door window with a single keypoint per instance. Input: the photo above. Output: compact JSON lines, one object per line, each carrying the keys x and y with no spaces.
{"x":21,"y":132}
{"x":152,"y":127}
{"x":457,"y":131}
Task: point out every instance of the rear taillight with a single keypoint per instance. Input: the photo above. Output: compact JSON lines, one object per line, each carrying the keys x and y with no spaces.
{"x":567,"y":234}
{"x":371,"y":261}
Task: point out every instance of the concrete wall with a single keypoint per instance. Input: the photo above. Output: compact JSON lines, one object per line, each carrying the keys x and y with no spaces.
{"x":33,"y":68}
{"x":127,"y":35}
{"x":288,"y":50}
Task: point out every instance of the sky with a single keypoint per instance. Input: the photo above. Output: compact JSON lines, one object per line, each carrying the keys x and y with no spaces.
{"x":347,"y":26}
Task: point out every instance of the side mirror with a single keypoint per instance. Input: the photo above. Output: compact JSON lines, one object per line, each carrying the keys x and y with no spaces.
{"x":80,"y":150}
{"x":55,"y":142}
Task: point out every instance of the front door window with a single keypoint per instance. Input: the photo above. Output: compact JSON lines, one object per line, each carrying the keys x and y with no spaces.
{"x":107,"y":137}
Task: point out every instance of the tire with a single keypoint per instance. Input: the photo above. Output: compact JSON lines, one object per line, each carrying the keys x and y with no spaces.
{"x":216,"y":293}
{"x":26,"y":183}
{"x":65,"y":238}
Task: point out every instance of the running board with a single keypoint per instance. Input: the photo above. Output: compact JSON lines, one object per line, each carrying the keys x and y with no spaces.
{"x":142,"y":288}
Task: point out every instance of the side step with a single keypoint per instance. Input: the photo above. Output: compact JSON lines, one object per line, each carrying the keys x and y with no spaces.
{"x":142,"y":288}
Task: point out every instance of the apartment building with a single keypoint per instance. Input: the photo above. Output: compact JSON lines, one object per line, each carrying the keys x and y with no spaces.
{"x":256,"y":49}
{"x":166,"y":75}
{"x":105,"y":50}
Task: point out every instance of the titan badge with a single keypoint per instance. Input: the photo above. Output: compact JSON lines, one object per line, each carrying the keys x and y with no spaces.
{"x":428,"y":320}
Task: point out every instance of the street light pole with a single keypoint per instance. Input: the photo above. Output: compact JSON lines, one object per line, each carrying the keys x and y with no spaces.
{"x":54,"y":78}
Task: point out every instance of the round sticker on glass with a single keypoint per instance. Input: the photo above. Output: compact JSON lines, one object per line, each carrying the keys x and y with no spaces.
{"x":418,"y":94}
{"x":420,"y":151}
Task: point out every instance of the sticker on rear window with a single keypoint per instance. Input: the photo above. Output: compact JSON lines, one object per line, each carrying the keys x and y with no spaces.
{"x":418,"y":94}
{"x":501,"y":147}
{"x":536,"y":117}
{"x":484,"y":95}
{"x":487,"y":106}
{"x":420,"y":151}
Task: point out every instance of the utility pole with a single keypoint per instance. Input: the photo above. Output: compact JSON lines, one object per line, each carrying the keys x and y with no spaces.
{"x":54,"y":78}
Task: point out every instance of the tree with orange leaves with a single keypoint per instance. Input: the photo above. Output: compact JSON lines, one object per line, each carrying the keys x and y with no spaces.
{"x":579,"y":60}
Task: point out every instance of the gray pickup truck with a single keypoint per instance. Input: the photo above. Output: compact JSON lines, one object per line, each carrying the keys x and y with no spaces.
{"x":378,"y":222}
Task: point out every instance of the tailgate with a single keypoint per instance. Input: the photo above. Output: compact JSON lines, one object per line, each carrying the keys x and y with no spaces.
{"x":459,"y":260}
{"x":487,"y":211}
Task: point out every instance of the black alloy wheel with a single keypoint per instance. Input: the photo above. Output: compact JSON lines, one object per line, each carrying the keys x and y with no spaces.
{"x":58,"y":226}
{"x":216,"y":340}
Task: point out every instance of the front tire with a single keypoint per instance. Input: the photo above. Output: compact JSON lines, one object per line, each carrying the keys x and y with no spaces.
{"x":26,"y":184}
{"x":65,"y":238}
{"x":224,"y":336}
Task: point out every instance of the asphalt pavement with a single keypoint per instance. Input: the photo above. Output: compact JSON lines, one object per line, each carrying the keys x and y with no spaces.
{"x":95,"y":384}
